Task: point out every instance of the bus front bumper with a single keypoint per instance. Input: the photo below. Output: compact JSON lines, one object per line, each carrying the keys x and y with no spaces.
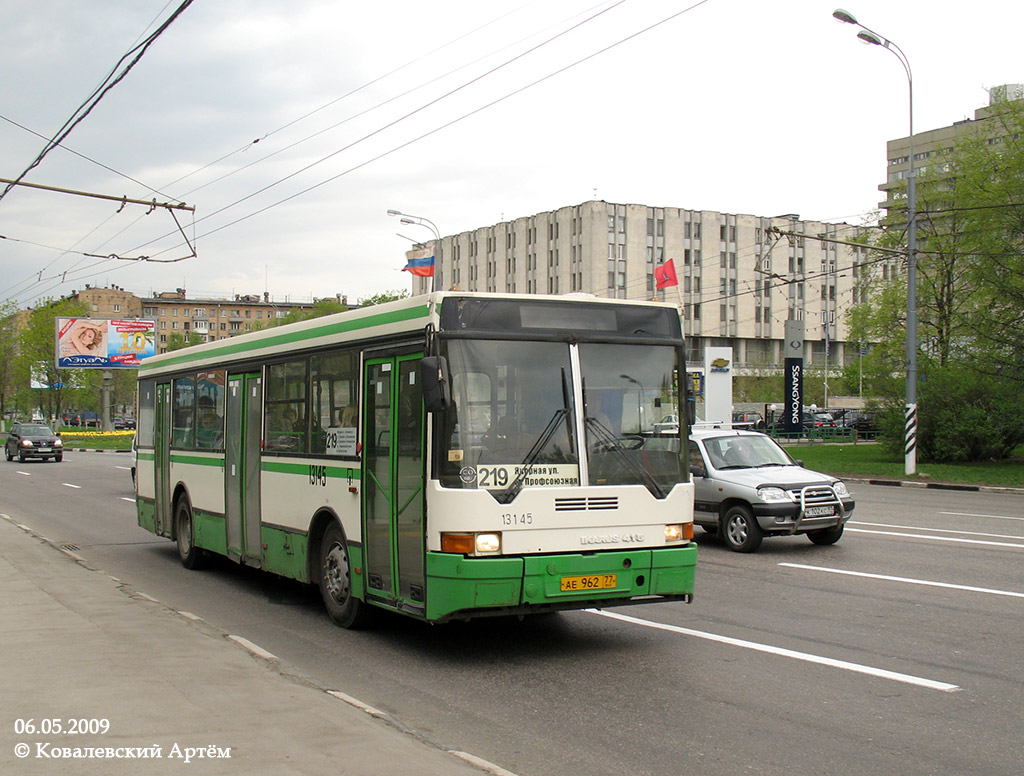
{"x":460,"y":587}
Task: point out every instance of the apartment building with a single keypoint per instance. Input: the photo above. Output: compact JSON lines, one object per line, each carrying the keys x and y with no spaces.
{"x":740,"y":276}
{"x":930,"y":146}
{"x":211,"y":318}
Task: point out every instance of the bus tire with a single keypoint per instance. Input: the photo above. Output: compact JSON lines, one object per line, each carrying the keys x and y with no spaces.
{"x":825,"y":536}
{"x":740,"y":530}
{"x":335,"y":574}
{"x":192,"y":557}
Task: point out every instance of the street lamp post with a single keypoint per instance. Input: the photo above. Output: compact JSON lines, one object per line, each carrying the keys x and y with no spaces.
{"x":910,"y":416}
{"x":407,"y":218}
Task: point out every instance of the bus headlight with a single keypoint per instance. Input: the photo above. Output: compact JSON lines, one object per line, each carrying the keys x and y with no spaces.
{"x":679,"y":532}
{"x":488,"y":543}
{"x":471,"y":544}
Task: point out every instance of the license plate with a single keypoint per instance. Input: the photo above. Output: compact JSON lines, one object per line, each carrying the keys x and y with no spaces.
{"x":589,"y":582}
{"x":45,"y":450}
{"x":819,"y":511}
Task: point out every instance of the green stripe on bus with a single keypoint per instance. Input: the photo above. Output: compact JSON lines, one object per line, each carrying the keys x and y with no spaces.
{"x":196,"y":460}
{"x":303,"y":469}
{"x":234,"y":348}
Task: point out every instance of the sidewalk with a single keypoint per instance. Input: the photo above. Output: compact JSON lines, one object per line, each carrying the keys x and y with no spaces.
{"x":180,"y":696}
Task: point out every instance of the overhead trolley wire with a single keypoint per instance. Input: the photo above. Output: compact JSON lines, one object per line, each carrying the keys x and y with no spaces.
{"x":93,"y":100}
{"x":438,"y":128}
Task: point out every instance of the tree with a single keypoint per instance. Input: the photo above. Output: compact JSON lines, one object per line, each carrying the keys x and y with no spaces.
{"x":990,"y":176}
{"x":383,"y":296}
{"x":36,"y":360}
{"x":177,"y":340}
{"x":8,"y":353}
{"x":970,"y":298}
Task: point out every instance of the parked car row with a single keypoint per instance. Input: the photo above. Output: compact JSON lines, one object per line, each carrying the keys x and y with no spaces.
{"x":84,"y":419}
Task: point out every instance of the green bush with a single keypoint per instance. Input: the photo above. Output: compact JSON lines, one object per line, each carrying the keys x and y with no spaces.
{"x":967,"y":416}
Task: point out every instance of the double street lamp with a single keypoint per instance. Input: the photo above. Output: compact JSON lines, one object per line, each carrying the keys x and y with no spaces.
{"x":407,"y":218}
{"x":910,"y":439}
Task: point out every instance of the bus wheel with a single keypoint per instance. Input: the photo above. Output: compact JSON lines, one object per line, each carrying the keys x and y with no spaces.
{"x":192,"y":557}
{"x":740,"y":530}
{"x":826,"y":535}
{"x":336,"y":581}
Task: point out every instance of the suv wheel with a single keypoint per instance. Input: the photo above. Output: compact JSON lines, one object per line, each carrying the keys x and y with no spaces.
{"x":740,"y":530}
{"x":826,"y":535}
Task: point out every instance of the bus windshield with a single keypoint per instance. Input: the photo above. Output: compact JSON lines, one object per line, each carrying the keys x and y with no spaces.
{"x":515,"y":420}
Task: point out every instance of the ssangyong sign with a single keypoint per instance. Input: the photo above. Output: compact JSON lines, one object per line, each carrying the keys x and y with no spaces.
{"x":794,"y":395}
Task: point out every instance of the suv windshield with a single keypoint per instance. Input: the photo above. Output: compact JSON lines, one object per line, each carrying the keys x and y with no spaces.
{"x":515,"y":422}
{"x":745,"y":452}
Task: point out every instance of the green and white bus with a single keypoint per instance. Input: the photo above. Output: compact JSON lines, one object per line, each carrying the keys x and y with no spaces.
{"x":447,"y":456}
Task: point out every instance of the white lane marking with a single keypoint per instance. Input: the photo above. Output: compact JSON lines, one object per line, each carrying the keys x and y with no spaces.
{"x":126,"y":468}
{"x":880,"y":673}
{"x":25,"y":474}
{"x":939,"y":538}
{"x":935,"y":530}
{"x":127,"y":498}
{"x":358,"y":704}
{"x":973,"y":514}
{"x":69,"y":485}
{"x":254,"y":648}
{"x":908,"y":580}
{"x":485,"y":765}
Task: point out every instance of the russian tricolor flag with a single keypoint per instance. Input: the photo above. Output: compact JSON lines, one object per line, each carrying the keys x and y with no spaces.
{"x":421,"y":265}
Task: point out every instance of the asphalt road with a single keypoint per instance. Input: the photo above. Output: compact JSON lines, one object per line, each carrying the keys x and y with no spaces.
{"x":896,"y":651}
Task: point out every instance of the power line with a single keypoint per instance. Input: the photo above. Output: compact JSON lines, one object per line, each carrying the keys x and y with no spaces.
{"x":93,"y":100}
{"x":440,"y":127}
{"x":413,"y":61}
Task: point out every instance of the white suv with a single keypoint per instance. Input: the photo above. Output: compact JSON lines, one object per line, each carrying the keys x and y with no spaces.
{"x":747,"y":487}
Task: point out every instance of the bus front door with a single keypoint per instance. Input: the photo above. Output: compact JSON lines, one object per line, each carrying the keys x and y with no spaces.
{"x":242,"y":468}
{"x":393,"y":482}
{"x":164,"y":511}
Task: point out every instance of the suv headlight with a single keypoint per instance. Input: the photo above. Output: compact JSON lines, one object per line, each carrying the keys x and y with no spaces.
{"x":840,"y":488}
{"x":773,"y":494}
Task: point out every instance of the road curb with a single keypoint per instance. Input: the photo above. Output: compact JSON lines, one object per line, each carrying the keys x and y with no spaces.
{"x":935,"y":485}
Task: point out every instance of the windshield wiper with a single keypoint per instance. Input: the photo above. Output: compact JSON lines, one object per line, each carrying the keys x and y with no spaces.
{"x":531,"y":457}
{"x":533,"y":454}
{"x":611,"y":442}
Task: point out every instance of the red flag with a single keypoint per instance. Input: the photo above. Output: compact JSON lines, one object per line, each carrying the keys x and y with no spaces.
{"x":665,"y":275}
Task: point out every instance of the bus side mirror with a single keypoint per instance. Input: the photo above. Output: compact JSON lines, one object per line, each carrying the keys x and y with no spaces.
{"x":691,"y":411}
{"x":437,"y":392}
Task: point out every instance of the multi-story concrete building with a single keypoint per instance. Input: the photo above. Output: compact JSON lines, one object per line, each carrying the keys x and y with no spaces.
{"x":930,"y":146}
{"x":213,"y":319}
{"x":739,"y":279}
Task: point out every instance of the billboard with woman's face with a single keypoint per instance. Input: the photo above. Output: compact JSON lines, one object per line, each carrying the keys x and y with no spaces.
{"x":104,"y":344}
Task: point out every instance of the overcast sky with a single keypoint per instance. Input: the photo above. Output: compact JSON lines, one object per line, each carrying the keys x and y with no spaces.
{"x":740,"y":106}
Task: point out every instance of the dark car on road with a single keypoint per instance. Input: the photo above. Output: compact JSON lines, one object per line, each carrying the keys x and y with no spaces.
{"x":33,"y":440}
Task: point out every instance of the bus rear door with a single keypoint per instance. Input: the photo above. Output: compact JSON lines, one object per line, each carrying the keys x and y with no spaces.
{"x":164,"y":510}
{"x":242,"y":468}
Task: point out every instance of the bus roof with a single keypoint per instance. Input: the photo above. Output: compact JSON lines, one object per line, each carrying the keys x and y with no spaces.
{"x":386,"y":320}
